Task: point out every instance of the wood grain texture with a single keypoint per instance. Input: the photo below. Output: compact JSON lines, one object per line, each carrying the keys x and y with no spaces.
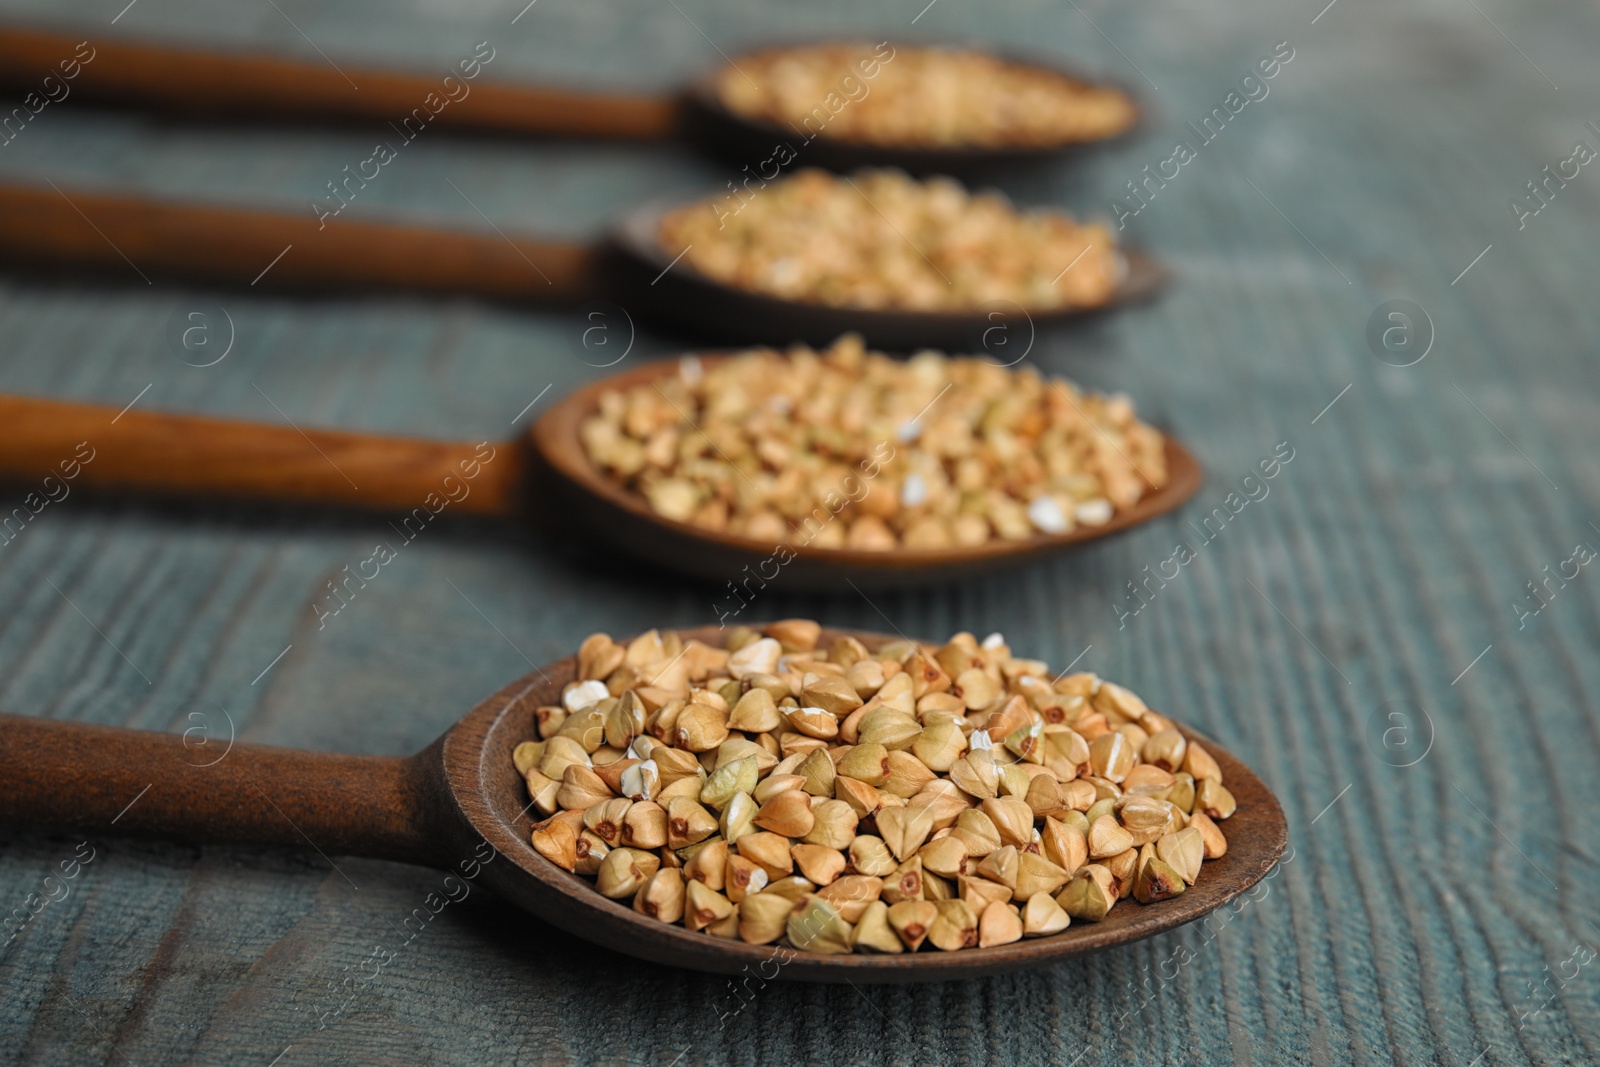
{"x":174,"y":456}
{"x":1422,"y":905}
{"x":197,"y":789}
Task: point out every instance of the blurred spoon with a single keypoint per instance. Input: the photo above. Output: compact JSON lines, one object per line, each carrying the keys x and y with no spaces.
{"x":131,"y":235}
{"x":222,"y":83}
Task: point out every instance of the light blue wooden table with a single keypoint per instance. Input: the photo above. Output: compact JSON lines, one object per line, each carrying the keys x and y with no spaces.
{"x":1363,"y":635}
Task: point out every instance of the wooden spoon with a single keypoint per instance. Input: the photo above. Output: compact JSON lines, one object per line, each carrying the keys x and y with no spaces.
{"x":130,"y":236}
{"x":440,"y":807}
{"x":541,"y":474}
{"x":239,"y":84}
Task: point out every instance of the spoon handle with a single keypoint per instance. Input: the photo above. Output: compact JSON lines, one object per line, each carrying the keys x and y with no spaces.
{"x":198,"y":81}
{"x":309,"y":250}
{"x":52,"y":447}
{"x":203,"y":786}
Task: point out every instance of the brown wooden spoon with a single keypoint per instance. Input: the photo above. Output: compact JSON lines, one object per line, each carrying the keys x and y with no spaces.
{"x":544,"y":474}
{"x":440,"y":807}
{"x":219,"y":83}
{"x":130,"y":236}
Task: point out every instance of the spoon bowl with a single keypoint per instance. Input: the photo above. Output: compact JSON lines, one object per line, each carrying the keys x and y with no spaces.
{"x":626,"y":521}
{"x":742,"y":140}
{"x":442,"y":806}
{"x":645,"y":273}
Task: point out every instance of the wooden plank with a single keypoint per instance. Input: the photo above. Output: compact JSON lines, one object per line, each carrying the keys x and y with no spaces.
{"x":1423,"y":904}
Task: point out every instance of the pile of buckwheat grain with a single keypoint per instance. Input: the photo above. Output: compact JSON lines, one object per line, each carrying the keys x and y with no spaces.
{"x":851,"y":449}
{"x":881,"y":240}
{"x":799,"y":788}
{"x":919,"y":97}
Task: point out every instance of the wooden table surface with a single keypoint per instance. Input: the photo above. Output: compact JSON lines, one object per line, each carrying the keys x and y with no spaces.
{"x":1363,"y":635}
